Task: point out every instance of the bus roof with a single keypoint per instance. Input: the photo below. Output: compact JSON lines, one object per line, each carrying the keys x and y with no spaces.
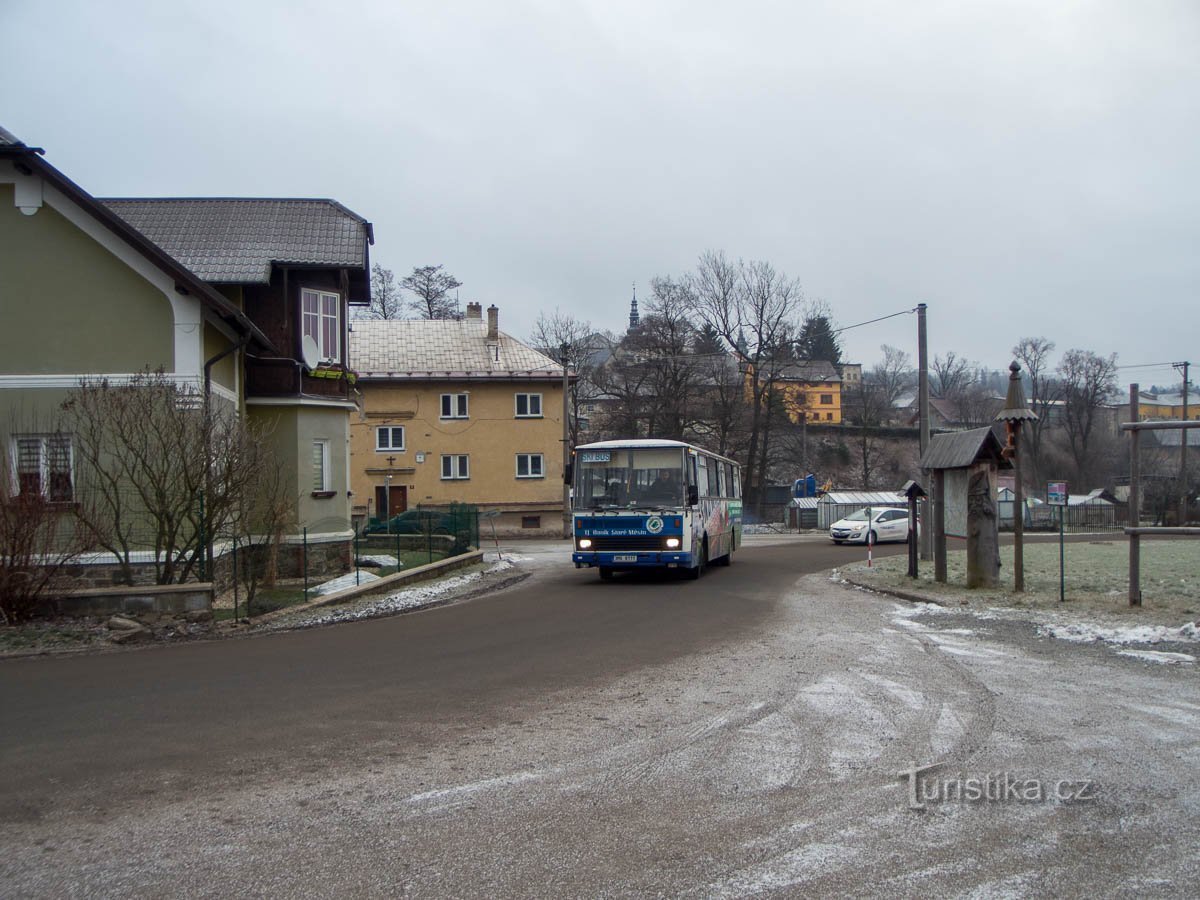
{"x":635,"y":443}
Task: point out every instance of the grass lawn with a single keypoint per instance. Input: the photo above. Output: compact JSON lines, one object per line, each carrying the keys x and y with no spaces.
{"x":1097,"y":580}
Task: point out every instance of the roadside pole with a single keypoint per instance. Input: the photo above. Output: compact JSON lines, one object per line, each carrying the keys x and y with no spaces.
{"x":1057,"y":494}
{"x":926,"y":537}
{"x":1135,"y":501}
{"x":566,"y":441}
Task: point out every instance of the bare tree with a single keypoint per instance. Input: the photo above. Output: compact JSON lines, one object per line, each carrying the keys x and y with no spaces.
{"x":38,"y":541}
{"x":159,"y":469}
{"x":431,"y":289}
{"x":1044,"y":390}
{"x":550,"y":333}
{"x":951,"y":376}
{"x":754,"y":309}
{"x":386,"y":300}
{"x":1089,"y":381}
{"x":892,"y":376}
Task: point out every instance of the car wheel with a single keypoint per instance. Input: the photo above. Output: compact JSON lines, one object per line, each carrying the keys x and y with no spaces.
{"x":695,"y":573}
{"x":873,"y":538}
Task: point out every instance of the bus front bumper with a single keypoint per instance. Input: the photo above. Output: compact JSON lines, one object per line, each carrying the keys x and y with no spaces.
{"x":633,"y":559}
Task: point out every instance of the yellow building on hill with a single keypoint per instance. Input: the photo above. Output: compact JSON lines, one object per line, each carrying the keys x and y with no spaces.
{"x":457,"y":411}
{"x":811,"y":392}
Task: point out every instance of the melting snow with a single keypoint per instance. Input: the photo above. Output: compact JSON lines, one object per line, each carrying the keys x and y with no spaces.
{"x":1083,"y":632}
{"x":349,"y":580}
{"x":1159,"y":656}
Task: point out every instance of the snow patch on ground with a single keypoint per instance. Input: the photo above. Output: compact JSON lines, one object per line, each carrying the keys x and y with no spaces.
{"x":381,"y":559}
{"x":1087,"y":633}
{"x":349,"y":580}
{"x":1159,"y":656}
{"x":401,"y":601}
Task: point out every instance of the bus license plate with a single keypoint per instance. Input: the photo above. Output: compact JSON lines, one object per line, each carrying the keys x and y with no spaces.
{"x":624,"y":557}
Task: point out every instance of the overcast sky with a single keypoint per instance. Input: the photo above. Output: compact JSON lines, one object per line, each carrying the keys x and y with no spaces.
{"x":1024,"y":168}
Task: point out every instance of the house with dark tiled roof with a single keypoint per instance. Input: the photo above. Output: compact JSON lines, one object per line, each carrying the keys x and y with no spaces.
{"x":457,"y":411}
{"x":245,"y":299}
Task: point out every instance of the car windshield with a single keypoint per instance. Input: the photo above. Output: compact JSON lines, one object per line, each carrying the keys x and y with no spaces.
{"x":629,"y":478}
{"x":859,"y":515}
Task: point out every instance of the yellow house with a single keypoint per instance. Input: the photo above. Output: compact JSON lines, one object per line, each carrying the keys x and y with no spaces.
{"x":1167,"y":406}
{"x":811,"y":392}
{"x":457,"y":411}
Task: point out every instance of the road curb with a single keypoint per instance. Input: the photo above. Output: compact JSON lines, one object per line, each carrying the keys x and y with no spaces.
{"x":420,"y":573}
{"x":891,"y":592}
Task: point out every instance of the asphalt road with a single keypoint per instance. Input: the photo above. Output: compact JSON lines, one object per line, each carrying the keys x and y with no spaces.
{"x":735,"y":736}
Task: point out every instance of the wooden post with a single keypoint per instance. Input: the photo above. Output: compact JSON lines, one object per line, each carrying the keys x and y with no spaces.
{"x":983,"y":544}
{"x":912,"y":534}
{"x":939,"y":525}
{"x":1135,"y":503}
{"x":1018,"y":513}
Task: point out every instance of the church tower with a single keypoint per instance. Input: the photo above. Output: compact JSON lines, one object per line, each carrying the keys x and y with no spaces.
{"x":634,"y":318}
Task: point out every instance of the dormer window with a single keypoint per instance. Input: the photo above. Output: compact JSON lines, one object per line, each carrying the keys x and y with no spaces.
{"x":321,"y":314}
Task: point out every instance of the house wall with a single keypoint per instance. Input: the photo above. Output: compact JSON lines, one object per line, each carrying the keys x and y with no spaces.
{"x":293,"y":430}
{"x":492,"y":437}
{"x":70,"y":305}
{"x":804,"y":401}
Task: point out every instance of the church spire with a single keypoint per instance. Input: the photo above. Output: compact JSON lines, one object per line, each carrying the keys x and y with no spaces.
{"x":634,"y":318}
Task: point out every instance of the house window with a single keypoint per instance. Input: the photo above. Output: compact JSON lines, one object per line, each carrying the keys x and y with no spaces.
{"x":529,"y":406}
{"x":321,"y":312}
{"x":454,"y":406}
{"x":529,"y":465}
{"x":826,"y":399}
{"x":531,"y":521}
{"x":389,"y":437}
{"x":43,"y":465}
{"x":455,"y":466}
{"x":829,"y":417}
{"x":320,"y":459}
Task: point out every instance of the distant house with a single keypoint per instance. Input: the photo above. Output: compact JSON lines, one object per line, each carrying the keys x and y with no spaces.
{"x":811,"y":392}
{"x":1167,"y":406}
{"x":457,"y":411}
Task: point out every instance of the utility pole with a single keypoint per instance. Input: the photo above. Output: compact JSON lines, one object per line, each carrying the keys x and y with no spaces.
{"x":926,"y":534}
{"x":1183,"y":441}
{"x":566,"y":441}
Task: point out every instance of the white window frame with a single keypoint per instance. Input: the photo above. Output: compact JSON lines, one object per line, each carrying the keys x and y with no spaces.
{"x":319,"y":318}
{"x":321,"y":466}
{"x":458,"y":406}
{"x":529,"y":458}
{"x":390,"y":431}
{"x":43,"y":463}
{"x":456,"y":466}
{"x":528,"y":414}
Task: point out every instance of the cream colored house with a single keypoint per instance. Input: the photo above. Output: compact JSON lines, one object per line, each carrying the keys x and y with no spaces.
{"x":457,"y":411}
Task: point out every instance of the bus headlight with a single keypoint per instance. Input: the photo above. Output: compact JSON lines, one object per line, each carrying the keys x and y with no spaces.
{"x":585,"y":543}
{"x":672,"y":543}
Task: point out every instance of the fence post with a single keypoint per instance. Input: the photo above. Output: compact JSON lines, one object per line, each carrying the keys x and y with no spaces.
{"x":357,"y":575}
{"x":304,"y":560}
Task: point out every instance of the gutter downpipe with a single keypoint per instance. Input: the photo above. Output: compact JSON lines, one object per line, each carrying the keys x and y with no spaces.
{"x":206,"y":557}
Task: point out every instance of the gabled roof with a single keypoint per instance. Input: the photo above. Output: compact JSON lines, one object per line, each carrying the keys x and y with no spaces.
{"x":810,"y":372}
{"x":228,"y":240}
{"x":442,"y":348}
{"x":960,"y":449}
{"x":30,"y":160}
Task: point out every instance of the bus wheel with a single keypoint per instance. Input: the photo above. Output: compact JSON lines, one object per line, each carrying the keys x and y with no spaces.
{"x":606,"y":572}
{"x":695,"y":573}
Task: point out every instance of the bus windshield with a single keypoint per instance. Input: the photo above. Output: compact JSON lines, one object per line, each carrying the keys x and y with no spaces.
{"x":630,"y":478}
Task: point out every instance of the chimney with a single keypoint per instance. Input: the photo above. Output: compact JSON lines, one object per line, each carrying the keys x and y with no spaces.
{"x":493,"y":323}
{"x":474,"y":312}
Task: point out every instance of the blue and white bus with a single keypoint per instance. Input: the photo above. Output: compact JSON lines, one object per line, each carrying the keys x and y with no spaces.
{"x":654,"y":504}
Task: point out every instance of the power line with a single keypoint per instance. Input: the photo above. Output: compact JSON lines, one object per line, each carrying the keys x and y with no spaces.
{"x":903,"y":312}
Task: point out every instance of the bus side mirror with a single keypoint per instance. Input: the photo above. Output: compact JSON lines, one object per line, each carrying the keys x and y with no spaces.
{"x":568,"y":472}
{"x":693,"y":495}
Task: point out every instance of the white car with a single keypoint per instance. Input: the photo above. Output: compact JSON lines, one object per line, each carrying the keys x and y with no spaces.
{"x":887,"y":524}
